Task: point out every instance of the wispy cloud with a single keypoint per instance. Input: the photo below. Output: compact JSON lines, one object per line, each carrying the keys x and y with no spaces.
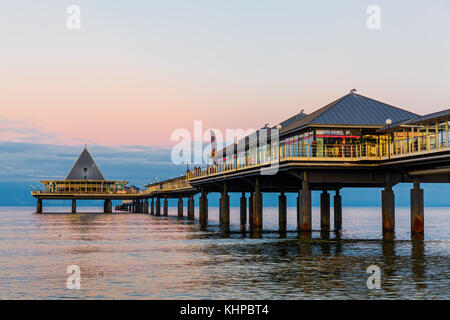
{"x":27,"y":131}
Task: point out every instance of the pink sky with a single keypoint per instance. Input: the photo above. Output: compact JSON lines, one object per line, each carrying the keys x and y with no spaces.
{"x":129,"y":78}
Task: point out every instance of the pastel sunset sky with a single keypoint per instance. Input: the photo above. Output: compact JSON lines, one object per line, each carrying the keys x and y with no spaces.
{"x":137,"y":70}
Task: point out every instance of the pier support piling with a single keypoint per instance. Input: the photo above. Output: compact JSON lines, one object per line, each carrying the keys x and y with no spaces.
{"x":325,"y":211}
{"x":191,"y":207}
{"x":388,"y":208}
{"x":257,"y":208}
{"x":158,"y":207}
{"x":203,"y":206}
{"x":108,"y":206}
{"x":282,"y":212}
{"x":225,"y":209}
{"x":243,"y":207}
{"x":337,"y":211}
{"x":146,"y":205}
{"x":166,"y":207}
{"x":417,"y":209}
{"x":74,"y":206}
{"x":180,"y":206}
{"x":152,"y":206}
{"x":250,"y":210}
{"x":39,"y":206}
{"x":305,"y":207}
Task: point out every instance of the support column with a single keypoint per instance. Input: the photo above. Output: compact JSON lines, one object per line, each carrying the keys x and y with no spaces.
{"x":203,"y":206}
{"x":39,"y":206}
{"x":146,"y":205}
{"x":158,"y":207}
{"x":337,"y":211}
{"x":305,"y":207}
{"x":282,"y":212}
{"x":74,"y":206}
{"x":417,"y":209}
{"x":191,"y":207}
{"x":325,"y":211}
{"x":388,"y":208}
{"x":166,"y":207}
{"x":243,"y":209}
{"x":225,"y":208}
{"x":250,"y":210}
{"x":180,"y":206}
{"x":133,"y":206}
{"x":152,"y":206}
{"x":108,"y":206}
{"x":257,"y":208}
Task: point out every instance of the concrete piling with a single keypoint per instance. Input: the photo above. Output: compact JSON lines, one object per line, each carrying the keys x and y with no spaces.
{"x":337,"y":211}
{"x":180,"y":206}
{"x":225,"y":209}
{"x":417,"y":209}
{"x":158,"y":207}
{"x":74,"y":206}
{"x":152,"y":206}
{"x":146,"y":205}
{"x":305,"y":207}
{"x":39,"y":206}
{"x":191,"y":207}
{"x":282,"y":212}
{"x":388,"y":208}
{"x":243,"y":209}
{"x":203,"y":206}
{"x":257,"y":208}
{"x":325,"y":211}
{"x":166,"y":207}
{"x":250,"y":210}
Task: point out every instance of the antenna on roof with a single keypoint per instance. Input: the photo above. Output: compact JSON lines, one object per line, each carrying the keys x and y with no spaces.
{"x":353,"y":91}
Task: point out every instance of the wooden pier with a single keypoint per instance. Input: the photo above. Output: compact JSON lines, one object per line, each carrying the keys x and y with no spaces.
{"x":354,"y":142}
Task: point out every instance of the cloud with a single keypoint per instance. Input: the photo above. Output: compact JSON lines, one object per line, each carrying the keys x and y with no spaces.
{"x":32,"y":162}
{"x":25,"y":130}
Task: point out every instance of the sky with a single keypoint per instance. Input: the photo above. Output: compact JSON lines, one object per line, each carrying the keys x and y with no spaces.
{"x":138,"y":70}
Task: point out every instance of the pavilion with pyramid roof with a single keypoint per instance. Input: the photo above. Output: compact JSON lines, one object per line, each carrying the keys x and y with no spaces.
{"x":84,"y":181}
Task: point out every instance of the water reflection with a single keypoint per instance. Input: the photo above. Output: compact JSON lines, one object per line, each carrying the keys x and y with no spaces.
{"x":143,"y":256}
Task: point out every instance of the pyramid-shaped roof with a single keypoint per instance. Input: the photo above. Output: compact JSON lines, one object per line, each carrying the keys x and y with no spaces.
{"x":354,"y":110}
{"x":85,"y":168}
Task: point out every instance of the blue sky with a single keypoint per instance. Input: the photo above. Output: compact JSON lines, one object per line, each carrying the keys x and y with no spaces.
{"x":139,"y":69}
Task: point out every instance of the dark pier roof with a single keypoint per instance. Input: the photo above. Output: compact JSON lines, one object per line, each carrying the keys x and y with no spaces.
{"x":352,"y":110}
{"x":85,"y":168}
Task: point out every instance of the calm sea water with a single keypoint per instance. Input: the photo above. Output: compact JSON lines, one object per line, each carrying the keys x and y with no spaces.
{"x":138,"y":256}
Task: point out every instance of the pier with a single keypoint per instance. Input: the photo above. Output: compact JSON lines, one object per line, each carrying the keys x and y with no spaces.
{"x":353,"y":142}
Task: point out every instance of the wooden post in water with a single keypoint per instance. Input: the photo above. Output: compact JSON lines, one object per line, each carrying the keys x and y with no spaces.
{"x":417,"y":209}
{"x":152,"y":206}
{"x":74,"y":206}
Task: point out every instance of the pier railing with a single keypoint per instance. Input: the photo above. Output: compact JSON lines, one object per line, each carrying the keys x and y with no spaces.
{"x":180,"y":183}
{"x":412,"y":146}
